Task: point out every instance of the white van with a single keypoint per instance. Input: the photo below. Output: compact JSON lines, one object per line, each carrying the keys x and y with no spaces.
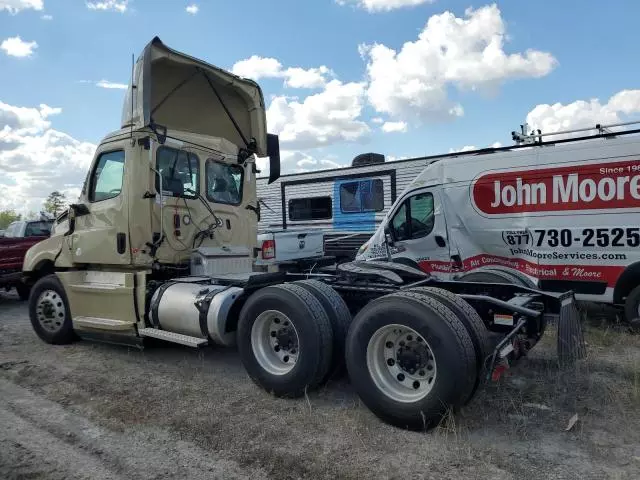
{"x":560,"y":216}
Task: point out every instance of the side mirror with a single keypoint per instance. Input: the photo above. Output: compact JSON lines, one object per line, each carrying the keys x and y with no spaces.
{"x":273,"y":151}
{"x":388,"y":236}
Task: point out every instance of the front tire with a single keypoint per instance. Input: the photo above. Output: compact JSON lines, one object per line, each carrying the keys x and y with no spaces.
{"x":285,"y":340}
{"x":49,"y":311}
{"x":410,"y":359}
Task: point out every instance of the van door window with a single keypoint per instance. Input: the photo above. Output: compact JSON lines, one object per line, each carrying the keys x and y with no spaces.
{"x":415,"y":218}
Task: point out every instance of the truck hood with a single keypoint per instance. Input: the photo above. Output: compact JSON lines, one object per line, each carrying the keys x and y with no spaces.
{"x":179,"y":92}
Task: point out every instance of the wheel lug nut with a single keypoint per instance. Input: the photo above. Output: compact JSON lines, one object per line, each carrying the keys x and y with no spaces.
{"x":389,"y":345}
{"x":416,"y":384}
{"x":276,"y":320}
{"x":273,"y":334}
{"x":400,"y":377}
{"x":421,"y":373}
{"x":429,"y":367}
{"x":285,"y":359}
{"x":277,"y":348}
{"x":391,"y":362}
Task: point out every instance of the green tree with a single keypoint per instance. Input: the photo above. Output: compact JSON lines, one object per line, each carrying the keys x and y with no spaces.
{"x":55,"y":203}
{"x":6,"y":217}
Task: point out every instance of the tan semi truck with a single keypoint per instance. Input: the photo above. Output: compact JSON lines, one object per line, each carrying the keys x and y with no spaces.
{"x":162,"y":244}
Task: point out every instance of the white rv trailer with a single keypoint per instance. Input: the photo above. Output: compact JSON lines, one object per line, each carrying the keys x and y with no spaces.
{"x":346,"y":204}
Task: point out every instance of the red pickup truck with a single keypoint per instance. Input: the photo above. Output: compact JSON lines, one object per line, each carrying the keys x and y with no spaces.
{"x":19,"y":237}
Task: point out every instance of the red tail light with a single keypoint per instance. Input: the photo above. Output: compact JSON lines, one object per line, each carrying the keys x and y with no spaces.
{"x":268,"y":249}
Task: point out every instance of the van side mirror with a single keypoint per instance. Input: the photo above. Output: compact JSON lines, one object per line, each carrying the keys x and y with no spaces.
{"x":388,"y":236}
{"x":273,"y":151}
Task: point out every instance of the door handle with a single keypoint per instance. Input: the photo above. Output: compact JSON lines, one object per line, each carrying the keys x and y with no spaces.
{"x":440,"y":241}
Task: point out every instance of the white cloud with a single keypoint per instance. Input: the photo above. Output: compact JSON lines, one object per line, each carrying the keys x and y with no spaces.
{"x":378,"y":120}
{"x":468,"y":148}
{"x":113,"y":5}
{"x":16,"y":47}
{"x":192,"y":9}
{"x":583,"y":114}
{"x":297,"y":77}
{"x":36,"y":159}
{"x":111,"y":85}
{"x":295,"y":161}
{"x":325,"y":118}
{"x":47,"y":17}
{"x":383,"y":5}
{"x":15,"y":6}
{"x":256,"y":67}
{"x":389,"y":127}
{"x":466,"y":53}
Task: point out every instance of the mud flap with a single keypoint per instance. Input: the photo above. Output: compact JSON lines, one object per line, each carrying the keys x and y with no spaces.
{"x":571,"y":345}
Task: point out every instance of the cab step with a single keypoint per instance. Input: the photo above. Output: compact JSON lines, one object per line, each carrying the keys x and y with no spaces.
{"x":172,"y":337}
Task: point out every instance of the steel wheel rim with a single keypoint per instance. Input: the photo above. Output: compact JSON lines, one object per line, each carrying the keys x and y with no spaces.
{"x":50,"y":311}
{"x":401,"y":363}
{"x":275,"y":342}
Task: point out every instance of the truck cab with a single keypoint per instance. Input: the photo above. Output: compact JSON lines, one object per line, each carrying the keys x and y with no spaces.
{"x":172,"y":189}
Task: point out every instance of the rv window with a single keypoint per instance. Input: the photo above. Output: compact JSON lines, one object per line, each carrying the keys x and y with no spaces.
{"x":180,"y":172}
{"x":414,"y":219}
{"x":224,"y":182}
{"x":314,"y":208}
{"x":362,"y":196}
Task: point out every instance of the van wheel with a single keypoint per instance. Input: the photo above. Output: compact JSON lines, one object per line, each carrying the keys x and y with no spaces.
{"x":475,"y":327}
{"x":49,"y":311}
{"x":339,"y":316}
{"x":285,"y":340}
{"x":632,"y":306}
{"x":410,"y":359}
{"x":490,"y":276}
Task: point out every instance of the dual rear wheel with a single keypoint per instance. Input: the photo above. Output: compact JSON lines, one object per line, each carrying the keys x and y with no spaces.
{"x":411,"y":356}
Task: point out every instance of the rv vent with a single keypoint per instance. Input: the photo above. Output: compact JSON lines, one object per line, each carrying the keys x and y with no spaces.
{"x":367,"y":159}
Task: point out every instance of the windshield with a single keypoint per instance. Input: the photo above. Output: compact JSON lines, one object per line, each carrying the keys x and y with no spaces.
{"x":224,"y":182}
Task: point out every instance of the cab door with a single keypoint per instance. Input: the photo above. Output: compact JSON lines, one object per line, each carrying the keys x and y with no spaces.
{"x":102,"y":224}
{"x":418,"y":230}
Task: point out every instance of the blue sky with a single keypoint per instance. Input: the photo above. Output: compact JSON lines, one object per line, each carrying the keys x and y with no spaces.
{"x":585,"y":51}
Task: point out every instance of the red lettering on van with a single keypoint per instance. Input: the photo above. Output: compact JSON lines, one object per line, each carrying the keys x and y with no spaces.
{"x":612,"y":185}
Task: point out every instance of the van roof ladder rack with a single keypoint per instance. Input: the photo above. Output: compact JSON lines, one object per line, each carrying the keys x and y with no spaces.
{"x":536,"y":136}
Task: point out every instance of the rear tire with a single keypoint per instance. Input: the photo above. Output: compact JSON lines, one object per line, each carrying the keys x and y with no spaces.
{"x":339,"y":316}
{"x":400,"y":400}
{"x":472,"y":322}
{"x":49,"y":311}
{"x":302,"y":327}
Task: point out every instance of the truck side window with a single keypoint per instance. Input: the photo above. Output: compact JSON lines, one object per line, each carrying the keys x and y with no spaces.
{"x":224,"y":182}
{"x":180,"y":171}
{"x":414,"y":219}
{"x":106,"y":181}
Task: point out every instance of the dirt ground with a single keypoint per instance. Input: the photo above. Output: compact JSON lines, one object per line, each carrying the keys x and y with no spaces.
{"x":101,"y":411}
